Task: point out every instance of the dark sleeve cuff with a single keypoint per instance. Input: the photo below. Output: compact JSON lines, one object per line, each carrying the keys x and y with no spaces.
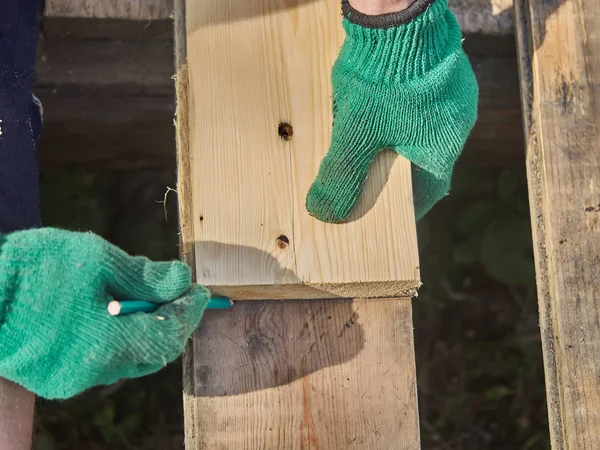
{"x":389,"y":20}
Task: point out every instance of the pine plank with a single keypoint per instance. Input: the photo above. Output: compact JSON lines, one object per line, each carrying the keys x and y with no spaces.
{"x":252,"y":66}
{"x":328,"y":374}
{"x":559,"y":55}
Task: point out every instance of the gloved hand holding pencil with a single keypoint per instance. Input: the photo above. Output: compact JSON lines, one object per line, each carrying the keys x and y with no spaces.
{"x":57,"y":336}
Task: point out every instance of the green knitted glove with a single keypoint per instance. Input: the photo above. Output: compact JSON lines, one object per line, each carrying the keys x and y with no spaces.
{"x":401,"y":81}
{"x":56,"y":336}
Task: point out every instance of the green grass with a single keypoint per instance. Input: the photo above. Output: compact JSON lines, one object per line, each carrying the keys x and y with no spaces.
{"x":479,"y":362}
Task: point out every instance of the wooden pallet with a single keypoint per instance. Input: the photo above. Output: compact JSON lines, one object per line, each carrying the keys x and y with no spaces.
{"x":251,"y":71}
{"x":104,"y":77}
{"x":295,"y":374}
{"x":558,"y":56}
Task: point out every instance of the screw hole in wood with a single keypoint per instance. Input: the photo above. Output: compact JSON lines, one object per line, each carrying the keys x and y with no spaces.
{"x":282,"y":242}
{"x":285,"y":130}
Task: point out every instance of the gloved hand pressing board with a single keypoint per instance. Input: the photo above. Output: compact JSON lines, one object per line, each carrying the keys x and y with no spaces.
{"x":402,"y":81}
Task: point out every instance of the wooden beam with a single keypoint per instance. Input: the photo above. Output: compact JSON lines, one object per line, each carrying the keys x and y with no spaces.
{"x":559,"y":55}
{"x":110,"y":9}
{"x":109,"y":19}
{"x":109,"y":104}
{"x":485,"y":17}
{"x":329,"y":374}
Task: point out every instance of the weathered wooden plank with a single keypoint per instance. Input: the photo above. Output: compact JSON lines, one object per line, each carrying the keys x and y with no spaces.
{"x":489,"y":17}
{"x":484,"y":17}
{"x":329,"y":374}
{"x":133,"y":66}
{"x":559,"y":55}
{"x":106,"y":103}
{"x":110,"y":9}
{"x":113,"y":101}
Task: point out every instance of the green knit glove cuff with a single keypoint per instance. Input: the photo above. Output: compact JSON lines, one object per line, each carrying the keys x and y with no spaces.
{"x":56,"y":336}
{"x":409,"y":88}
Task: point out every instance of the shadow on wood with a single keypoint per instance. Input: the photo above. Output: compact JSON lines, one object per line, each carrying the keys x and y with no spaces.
{"x":326,"y":374}
{"x":233,"y":270}
{"x":547,"y":8}
{"x":379,"y":173}
{"x":272,"y":343}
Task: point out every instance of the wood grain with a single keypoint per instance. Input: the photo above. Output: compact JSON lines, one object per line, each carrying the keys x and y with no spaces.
{"x":559,"y":55}
{"x":253,"y":65}
{"x":335,"y":374}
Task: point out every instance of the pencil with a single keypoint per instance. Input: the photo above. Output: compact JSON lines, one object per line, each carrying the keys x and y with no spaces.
{"x":120,"y":308}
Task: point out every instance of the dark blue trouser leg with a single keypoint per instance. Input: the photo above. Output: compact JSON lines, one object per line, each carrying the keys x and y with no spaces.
{"x":20,"y":120}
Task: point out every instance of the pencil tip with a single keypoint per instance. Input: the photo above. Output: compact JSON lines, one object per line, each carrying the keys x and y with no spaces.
{"x":114,"y":308}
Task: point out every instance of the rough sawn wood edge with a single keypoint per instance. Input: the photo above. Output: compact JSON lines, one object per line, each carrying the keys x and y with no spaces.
{"x":536,"y":182}
{"x":186,"y":224}
{"x":309,"y":291}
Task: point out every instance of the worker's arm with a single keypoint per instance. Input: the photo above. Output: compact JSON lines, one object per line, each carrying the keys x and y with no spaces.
{"x":403,"y":82}
{"x":20,"y":123}
{"x":20,"y":117}
{"x":16,"y":416}
{"x":56,"y":336}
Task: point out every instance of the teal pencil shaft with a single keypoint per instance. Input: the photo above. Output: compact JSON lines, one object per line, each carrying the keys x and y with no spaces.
{"x":219,"y":303}
{"x":120,"y":308}
{"x":133,"y":306}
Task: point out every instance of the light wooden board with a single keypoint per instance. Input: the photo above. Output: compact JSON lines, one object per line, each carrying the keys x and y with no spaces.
{"x":328,"y":374}
{"x":559,"y":46}
{"x":251,"y":66}
{"x":110,"y":9}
